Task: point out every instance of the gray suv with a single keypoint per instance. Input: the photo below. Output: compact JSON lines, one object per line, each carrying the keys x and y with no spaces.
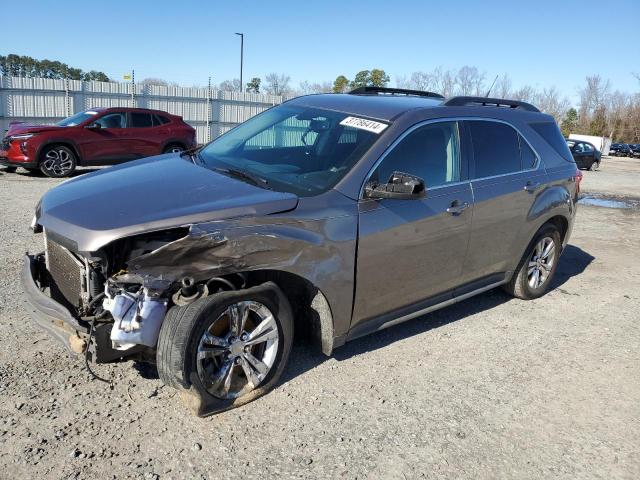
{"x":339,"y":214}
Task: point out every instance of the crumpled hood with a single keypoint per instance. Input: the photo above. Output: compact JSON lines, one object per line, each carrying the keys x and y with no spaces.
{"x":18,"y":128}
{"x":146,"y":195}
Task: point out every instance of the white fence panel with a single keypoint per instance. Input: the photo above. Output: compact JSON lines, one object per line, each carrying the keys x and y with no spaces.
{"x":46,"y":100}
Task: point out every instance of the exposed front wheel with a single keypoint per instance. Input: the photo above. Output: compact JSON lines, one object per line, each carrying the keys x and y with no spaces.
{"x":536,"y":269}
{"x":58,"y":161}
{"x":226,"y":349}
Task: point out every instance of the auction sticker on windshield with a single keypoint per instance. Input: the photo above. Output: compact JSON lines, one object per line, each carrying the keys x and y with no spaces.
{"x":364,"y":124}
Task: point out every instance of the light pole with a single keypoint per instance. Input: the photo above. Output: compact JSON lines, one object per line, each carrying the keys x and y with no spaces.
{"x":241,"y":56}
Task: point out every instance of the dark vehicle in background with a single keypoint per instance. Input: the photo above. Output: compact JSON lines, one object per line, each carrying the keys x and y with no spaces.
{"x":620,"y":150}
{"x":585,"y":154}
{"x":635,"y":149}
{"x":338,"y":215}
{"x":100,"y":136}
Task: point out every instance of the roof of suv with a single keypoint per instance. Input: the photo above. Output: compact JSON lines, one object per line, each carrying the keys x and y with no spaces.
{"x":387,"y":107}
{"x":130,"y":109}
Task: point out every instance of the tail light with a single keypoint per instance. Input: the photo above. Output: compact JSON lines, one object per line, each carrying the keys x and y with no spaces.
{"x":577,"y":178}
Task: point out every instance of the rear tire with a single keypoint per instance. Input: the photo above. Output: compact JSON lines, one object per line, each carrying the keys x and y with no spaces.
{"x":58,"y":161}
{"x":173,"y":148}
{"x":537,"y":267}
{"x":594,"y":166}
{"x":10,"y":169}
{"x":218,"y":366}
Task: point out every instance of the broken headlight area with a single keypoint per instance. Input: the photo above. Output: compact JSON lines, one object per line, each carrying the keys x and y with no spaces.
{"x":122,"y":312}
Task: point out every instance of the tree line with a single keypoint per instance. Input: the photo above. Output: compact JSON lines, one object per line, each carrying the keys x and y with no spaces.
{"x":23,"y":66}
{"x":601,"y":110}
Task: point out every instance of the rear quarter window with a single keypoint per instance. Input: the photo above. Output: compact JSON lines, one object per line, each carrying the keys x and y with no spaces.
{"x":551,"y":134}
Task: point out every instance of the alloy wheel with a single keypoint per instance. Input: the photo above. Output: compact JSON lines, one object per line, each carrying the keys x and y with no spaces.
{"x":236,"y":353}
{"x":57,"y":161}
{"x":541,"y":262}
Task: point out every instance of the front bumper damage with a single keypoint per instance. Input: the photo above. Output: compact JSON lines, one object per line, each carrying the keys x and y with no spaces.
{"x":54,"y":318}
{"x":57,"y":321}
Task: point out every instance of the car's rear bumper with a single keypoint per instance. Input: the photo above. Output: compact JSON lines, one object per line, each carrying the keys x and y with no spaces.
{"x":48,"y":314}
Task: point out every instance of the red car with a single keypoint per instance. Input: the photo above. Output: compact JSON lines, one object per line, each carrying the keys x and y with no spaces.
{"x":101,"y":136}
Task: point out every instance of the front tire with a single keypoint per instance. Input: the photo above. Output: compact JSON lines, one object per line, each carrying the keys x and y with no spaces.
{"x":58,"y":161}
{"x":10,"y":169}
{"x":535,"y":271}
{"x":226,"y":349}
{"x":174,"y":148}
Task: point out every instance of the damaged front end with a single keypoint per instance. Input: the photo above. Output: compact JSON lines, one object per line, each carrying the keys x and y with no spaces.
{"x":105,"y":305}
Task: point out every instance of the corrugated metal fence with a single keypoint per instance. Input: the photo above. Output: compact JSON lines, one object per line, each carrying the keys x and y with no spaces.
{"x":44,"y":100}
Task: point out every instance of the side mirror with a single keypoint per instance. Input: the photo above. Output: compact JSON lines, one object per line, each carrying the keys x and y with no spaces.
{"x":401,"y":186}
{"x":93,"y":126}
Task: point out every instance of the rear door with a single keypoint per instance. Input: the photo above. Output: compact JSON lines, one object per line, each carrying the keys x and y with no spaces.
{"x":411,"y":252}
{"x":506,"y":177}
{"x":581,"y":154}
{"x":143,"y":135}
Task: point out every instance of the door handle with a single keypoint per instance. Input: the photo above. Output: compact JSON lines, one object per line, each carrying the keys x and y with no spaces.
{"x":531,"y":186}
{"x":457,"y":208}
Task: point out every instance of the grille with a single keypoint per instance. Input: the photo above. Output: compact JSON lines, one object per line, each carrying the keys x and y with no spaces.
{"x":66,"y":273}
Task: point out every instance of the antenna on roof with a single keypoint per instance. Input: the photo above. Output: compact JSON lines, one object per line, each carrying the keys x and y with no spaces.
{"x":491,"y":87}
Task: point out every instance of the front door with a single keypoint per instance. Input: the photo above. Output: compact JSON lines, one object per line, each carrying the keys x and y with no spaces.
{"x":105,"y":145}
{"x":412,"y":251}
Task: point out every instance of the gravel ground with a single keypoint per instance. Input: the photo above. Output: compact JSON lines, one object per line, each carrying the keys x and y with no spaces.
{"x":491,"y":387}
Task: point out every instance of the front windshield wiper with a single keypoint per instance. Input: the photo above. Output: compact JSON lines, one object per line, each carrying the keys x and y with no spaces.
{"x":244,"y":175}
{"x":194,"y":156}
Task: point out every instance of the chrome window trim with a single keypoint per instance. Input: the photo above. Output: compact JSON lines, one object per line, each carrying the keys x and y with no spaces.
{"x":535,"y":167}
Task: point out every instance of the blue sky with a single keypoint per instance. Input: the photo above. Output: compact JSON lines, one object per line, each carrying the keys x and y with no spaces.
{"x":540,"y":43}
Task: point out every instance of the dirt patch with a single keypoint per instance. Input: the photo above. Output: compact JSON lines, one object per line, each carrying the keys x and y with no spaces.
{"x":491,"y":387}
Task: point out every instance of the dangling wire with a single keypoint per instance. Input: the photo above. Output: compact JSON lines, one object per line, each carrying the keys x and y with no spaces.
{"x":86,"y":358}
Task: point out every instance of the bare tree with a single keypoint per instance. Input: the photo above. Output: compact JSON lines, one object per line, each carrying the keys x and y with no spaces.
{"x":307,"y":87}
{"x":502,"y":88}
{"x":158,"y":82}
{"x":525,"y":94}
{"x":593,"y":97}
{"x":229,"y":85}
{"x":444,"y":81}
{"x":550,"y":101}
{"x":277,"y":84}
{"x":469,"y":81}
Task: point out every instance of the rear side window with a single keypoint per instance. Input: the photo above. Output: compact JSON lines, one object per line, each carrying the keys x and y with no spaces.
{"x":550,"y":132}
{"x":528,"y":156}
{"x":496,"y":148}
{"x":140,"y":120}
{"x":159,"y":120}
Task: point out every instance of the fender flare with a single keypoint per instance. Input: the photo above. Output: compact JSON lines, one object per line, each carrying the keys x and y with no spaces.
{"x":59,"y":141}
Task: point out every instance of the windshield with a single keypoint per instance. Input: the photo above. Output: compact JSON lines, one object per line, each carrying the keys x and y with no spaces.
{"x":295,"y":149}
{"x":76,"y":119}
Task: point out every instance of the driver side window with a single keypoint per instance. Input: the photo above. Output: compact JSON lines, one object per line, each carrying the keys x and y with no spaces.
{"x":430,"y":152}
{"x":112,"y":120}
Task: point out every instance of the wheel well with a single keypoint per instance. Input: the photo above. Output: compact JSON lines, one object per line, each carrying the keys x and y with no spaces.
{"x":56,"y":144}
{"x":561,"y":224}
{"x":311,"y":311}
{"x":177,"y":144}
